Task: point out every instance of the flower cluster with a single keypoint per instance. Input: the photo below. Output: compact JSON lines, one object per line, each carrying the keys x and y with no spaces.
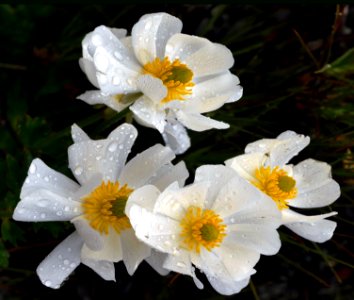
{"x":140,"y":210}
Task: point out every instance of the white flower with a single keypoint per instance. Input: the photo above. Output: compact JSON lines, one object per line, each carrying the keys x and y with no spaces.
{"x":306,"y":185}
{"x":220,"y":224}
{"x":96,"y":205}
{"x":167,"y":75}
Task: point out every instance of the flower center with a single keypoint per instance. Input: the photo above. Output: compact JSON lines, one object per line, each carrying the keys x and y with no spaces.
{"x":176,"y":77}
{"x":277,"y":184}
{"x":201,"y":228}
{"x":104,"y":207}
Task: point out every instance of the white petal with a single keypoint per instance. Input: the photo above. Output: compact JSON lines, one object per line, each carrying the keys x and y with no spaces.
{"x":103,"y":268}
{"x":148,"y":114}
{"x":78,"y":135}
{"x":219,"y":175}
{"x":197,"y":122}
{"x":61,"y":262}
{"x":134,"y":251}
{"x":156,"y":260}
{"x":176,"y":137}
{"x":290,"y":216}
{"x":40,"y":176}
{"x":238,"y":197}
{"x":168,"y":174}
{"x":201,"y":56}
{"x":228,"y":262}
{"x":91,"y":237}
{"x":44,"y":205}
{"x":315,"y":186}
{"x":145,"y":165}
{"x":106,"y":156}
{"x":157,"y":231}
{"x":111,"y":251}
{"x":211,"y":94}
{"x":180,"y":264}
{"x":227,"y":287}
{"x":89,"y":69}
{"x":247,"y":164}
{"x":280,"y":150}
{"x":263,"y":239}
{"x":174,"y":202}
{"x":96,"y":97}
{"x":318,"y":230}
{"x":145,"y":197}
{"x":152,"y":87}
{"x":151,"y":33}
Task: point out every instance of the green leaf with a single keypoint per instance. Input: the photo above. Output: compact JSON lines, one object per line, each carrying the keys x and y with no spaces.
{"x":4,"y":256}
{"x":342,"y":66}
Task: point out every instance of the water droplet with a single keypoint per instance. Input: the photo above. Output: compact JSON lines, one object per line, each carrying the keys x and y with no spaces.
{"x":118,"y":55}
{"x":113,"y":147}
{"x":72,"y":265}
{"x":46,"y":178}
{"x":148,"y":25}
{"x":131,"y":136}
{"x":181,"y":264}
{"x":96,"y":40}
{"x":27,"y":180}
{"x":66,"y":208}
{"x":66,"y":262}
{"x":78,"y":171}
{"x":43,"y":215}
{"x":232,"y":220}
{"x":101,"y":62}
{"x":98,"y":157}
{"x":99,"y":146}
{"x":32,"y":168}
{"x":121,"y":147}
{"x":48,"y":283}
{"x":59,"y":213}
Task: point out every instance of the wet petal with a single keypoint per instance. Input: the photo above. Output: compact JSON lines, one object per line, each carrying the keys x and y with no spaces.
{"x":91,"y":237}
{"x":156,"y":260}
{"x":61,"y":262}
{"x":197,"y":122}
{"x":168,"y":174}
{"x":201,"y":56}
{"x":103,"y":268}
{"x":78,"y":135}
{"x":211,"y":94}
{"x":96,"y":97}
{"x":152,"y":159}
{"x":134,"y":251}
{"x":147,"y":114}
{"x":176,"y":136}
{"x":219,"y":175}
{"x":152,"y":87}
{"x":151,"y":33}
{"x":106,"y":156}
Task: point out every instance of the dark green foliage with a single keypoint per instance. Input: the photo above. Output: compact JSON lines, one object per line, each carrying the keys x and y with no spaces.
{"x":297,"y":70}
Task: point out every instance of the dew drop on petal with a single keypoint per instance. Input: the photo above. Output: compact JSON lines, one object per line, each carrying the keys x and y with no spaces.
{"x":46,"y":178}
{"x":66,"y":262}
{"x":72,"y":265}
{"x":43,"y":215}
{"x":32,"y":168}
{"x":113,"y":147}
{"x":66,"y":208}
{"x":118,"y":55}
{"x":78,"y":171}
{"x":96,"y":40}
{"x":59,"y":213}
{"x":42,"y":203}
{"x":48,"y":283}
{"x":181,"y":264}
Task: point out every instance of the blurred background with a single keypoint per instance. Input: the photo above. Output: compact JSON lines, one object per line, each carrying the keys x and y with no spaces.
{"x":296,"y":64}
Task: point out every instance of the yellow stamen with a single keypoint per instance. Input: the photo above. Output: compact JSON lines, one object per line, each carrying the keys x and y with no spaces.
{"x":104,"y":207}
{"x":176,"y":77}
{"x":277,"y":184}
{"x":201,"y":228}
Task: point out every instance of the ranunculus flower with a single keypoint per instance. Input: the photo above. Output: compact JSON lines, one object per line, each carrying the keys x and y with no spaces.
{"x":219,"y":224}
{"x":308,"y":184}
{"x":95,"y":205}
{"x":169,"y":79}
